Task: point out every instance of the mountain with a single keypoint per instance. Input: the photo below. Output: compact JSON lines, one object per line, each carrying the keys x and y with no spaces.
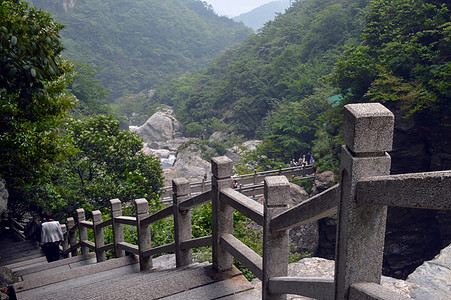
{"x":257,"y":17}
{"x":281,"y":64}
{"x":137,"y":44}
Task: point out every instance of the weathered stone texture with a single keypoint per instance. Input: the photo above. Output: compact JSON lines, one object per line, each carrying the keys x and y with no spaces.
{"x":3,"y":196}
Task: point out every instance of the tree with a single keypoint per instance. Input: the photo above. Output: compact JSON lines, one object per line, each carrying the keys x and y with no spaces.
{"x":108,"y":163}
{"x":92,"y":96}
{"x":403,"y":59}
{"x":33,"y":102}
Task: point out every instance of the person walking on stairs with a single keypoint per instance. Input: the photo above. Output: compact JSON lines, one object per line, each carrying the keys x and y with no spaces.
{"x":51,"y":236}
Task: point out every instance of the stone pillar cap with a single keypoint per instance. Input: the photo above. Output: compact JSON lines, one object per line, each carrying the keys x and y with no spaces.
{"x":368,"y":128}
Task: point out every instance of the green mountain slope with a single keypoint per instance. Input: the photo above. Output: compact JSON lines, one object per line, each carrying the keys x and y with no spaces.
{"x":281,"y":64}
{"x":137,"y":43}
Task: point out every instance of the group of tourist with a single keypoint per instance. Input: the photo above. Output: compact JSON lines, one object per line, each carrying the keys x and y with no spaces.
{"x":305,"y":160}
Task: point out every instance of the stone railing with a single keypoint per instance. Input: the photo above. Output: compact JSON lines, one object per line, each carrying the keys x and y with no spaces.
{"x":361,"y":199}
{"x":249,"y":184}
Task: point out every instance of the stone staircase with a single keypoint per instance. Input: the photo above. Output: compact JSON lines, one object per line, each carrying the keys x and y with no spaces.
{"x":80,"y":277}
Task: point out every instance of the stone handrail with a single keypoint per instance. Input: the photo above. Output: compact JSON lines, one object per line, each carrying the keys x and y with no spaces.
{"x":361,"y":199}
{"x":255,"y":179}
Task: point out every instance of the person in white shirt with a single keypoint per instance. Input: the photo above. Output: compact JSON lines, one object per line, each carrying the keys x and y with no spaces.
{"x":51,"y":236}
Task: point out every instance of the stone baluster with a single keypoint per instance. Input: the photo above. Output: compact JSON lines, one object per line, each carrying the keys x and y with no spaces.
{"x":82,"y":230}
{"x":275,"y":244}
{"x":182,"y":221}
{"x":118,"y":229}
{"x":65,"y":241}
{"x":368,"y":134}
{"x":222,"y":214}
{"x":71,"y":236}
{"x":142,"y":211}
{"x":98,"y":235}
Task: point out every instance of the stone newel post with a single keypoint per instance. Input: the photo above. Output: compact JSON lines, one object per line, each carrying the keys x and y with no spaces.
{"x":275,"y":244}
{"x":182,"y":222}
{"x":71,"y":236}
{"x":118,"y":229}
{"x":222,"y":214}
{"x":98,"y":235}
{"x":66,"y":240}
{"x":82,"y":230}
{"x":368,"y":134}
{"x":142,"y":211}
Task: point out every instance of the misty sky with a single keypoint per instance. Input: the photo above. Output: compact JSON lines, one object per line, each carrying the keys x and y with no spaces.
{"x":232,"y":8}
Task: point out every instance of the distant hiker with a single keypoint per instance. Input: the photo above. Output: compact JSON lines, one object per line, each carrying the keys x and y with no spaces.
{"x":51,"y":236}
{"x":235,"y":184}
{"x":308,"y":158}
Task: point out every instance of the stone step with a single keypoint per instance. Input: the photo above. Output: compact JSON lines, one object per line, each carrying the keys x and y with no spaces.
{"x":105,"y":283}
{"x":42,"y":267}
{"x":50,"y":279}
{"x":26,"y":263}
{"x":64,"y":289}
{"x":21,"y":257}
{"x":15,"y":249}
{"x":234,"y":288}
{"x":178,"y":281}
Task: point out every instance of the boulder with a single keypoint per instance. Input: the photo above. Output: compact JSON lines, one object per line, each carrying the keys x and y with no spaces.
{"x":322,"y":182}
{"x":160,"y":127}
{"x":433,"y":277}
{"x":431,"y":281}
{"x":303,"y":238}
{"x":189,"y":165}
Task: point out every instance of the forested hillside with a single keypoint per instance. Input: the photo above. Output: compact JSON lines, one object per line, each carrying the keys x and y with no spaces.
{"x":275,"y":85}
{"x":137,"y":44}
{"x":269,"y":86}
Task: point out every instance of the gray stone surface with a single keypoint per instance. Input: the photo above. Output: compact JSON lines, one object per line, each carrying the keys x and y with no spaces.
{"x":433,"y":277}
{"x":160,"y":127}
{"x":3,"y":196}
{"x":368,"y":127}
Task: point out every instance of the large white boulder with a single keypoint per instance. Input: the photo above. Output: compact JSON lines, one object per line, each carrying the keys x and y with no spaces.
{"x":160,"y":127}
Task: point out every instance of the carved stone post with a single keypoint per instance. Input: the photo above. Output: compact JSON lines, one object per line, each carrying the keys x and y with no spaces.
{"x":98,"y":235}
{"x":118,"y":229}
{"x":82,"y":230}
{"x":142,"y":211}
{"x":71,"y":236}
{"x":275,"y":244}
{"x":368,"y":134}
{"x":222,"y":214}
{"x":66,"y":240}
{"x":182,"y":222}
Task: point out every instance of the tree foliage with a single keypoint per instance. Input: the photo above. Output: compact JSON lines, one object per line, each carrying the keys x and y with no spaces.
{"x":33,"y":101}
{"x":403,"y":59}
{"x":108,"y":163}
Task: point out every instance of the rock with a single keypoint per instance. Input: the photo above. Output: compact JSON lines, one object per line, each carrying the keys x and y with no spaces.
{"x":160,"y":127}
{"x":189,"y":165}
{"x":133,"y":128}
{"x":433,"y":277}
{"x":252,"y":144}
{"x":3,"y":196}
{"x":218,"y":136}
{"x":323,"y":181}
{"x":303,"y":238}
{"x":430,"y":281}
{"x":7,"y":277}
{"x":232,"y":155}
